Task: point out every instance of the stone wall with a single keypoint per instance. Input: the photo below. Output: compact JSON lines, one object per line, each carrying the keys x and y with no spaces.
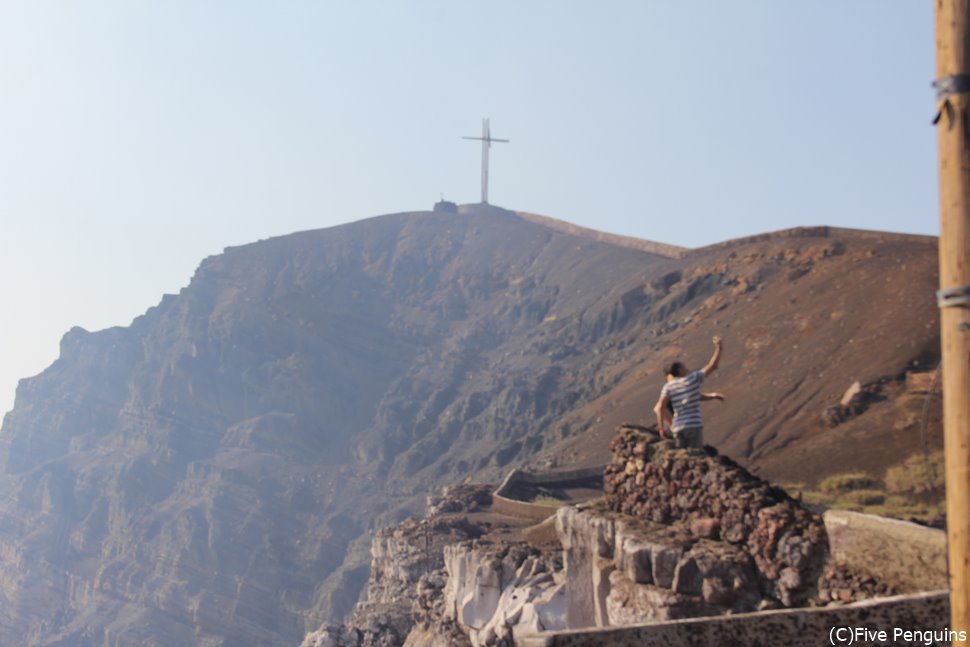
{"x":790,"y":627}
{"x":620,"y":571}
{"x":715,"y":499}
{"x":908,"y":556}
{"x":505,"y":502}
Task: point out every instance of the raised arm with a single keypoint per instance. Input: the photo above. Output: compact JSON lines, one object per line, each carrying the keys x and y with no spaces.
{"x":712,"y":396}
{"x":715,"y":358}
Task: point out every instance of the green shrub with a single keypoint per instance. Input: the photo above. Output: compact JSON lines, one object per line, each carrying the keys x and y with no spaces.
{"x":838,"y":483}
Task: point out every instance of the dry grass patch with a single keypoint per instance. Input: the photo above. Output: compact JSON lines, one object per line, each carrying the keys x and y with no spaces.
{"x":911,"y":490}
{"x":864,"y":497}
{"x":548,"y":500}
{"x":841,"y":483}
{"x":918,"y":474}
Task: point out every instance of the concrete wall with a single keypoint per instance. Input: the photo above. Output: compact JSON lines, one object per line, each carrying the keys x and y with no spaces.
{"x":796,"y":627}
{"x":909,"y":556}
{"x":503,"y":504}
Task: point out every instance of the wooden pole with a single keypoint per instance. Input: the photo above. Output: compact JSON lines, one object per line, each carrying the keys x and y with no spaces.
{"x":953,"y":88}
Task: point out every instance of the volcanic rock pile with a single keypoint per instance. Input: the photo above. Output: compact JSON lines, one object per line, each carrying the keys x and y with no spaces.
{"x":841,"y":583}
{"x":719,"y":500}
{"x":463,"y":497}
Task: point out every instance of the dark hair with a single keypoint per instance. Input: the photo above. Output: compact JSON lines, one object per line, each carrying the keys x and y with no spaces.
{"x":677,"y":369}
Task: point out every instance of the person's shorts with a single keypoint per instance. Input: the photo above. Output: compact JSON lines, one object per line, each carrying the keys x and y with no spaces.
{"x":692,"y":437}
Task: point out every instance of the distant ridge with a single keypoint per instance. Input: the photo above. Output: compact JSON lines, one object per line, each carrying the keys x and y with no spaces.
{"x":818,"y":231}
{"x":660,"y":249}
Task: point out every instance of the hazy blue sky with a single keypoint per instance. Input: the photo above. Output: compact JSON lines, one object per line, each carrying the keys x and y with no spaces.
{"x":138,"y":137}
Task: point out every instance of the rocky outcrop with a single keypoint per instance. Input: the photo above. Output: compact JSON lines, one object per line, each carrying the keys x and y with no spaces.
{"x":497,"y":592}
{"x":856,"y":399}
{"x":405,"y":592}
{"x":463,"y":497}
{"x":784,"y":544}
{"x":435,"y":582}
{"x":205,"y":475}
{"x":587,"y":542}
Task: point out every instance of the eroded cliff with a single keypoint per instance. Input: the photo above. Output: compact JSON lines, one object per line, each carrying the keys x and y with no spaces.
{"x":210,"y":474}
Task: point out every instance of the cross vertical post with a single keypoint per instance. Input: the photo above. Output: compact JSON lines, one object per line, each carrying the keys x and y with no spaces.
{"x":486,"y":140}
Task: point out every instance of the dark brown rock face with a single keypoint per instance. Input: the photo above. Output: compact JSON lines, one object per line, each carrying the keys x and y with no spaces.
{"x":209,"y":474}
{"x":714,"y":496}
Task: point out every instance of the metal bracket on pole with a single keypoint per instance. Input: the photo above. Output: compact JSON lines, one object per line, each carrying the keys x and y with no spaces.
{"x":950,"y":85}
{"x":947,"y":87}
{"x":953,"y":297}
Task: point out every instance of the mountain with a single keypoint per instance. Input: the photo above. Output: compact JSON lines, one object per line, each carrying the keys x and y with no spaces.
{"x":210,"y":474}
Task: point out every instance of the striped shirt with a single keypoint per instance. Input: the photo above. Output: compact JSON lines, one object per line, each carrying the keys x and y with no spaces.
{"x":684,"y":394}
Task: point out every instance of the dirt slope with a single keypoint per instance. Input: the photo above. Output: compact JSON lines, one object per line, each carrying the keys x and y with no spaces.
{"x":804,"y":314}
{"x":210,"y":475}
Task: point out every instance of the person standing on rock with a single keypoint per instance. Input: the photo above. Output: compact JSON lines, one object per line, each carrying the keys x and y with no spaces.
{"x":683,"y":392}
{"x":669,"y":409}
